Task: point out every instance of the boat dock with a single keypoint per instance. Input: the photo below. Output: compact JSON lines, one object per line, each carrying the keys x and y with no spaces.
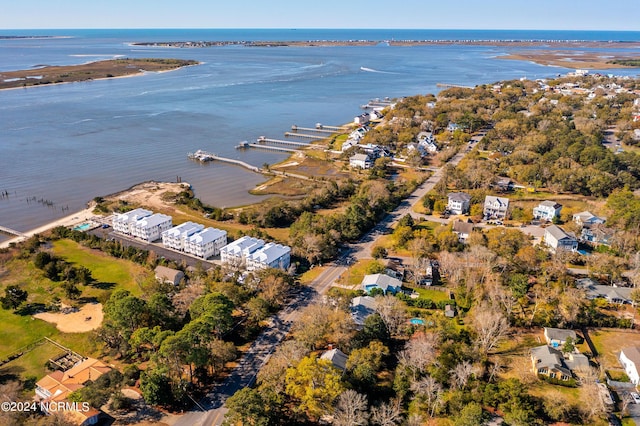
{"x":295,"y":129}
{"x":9,"y":231}
{"x":271,"y":148}
{"x":263,"y":140}
{"x":303,"y":135}
{"x":377,"y":103}
{"x":204,"y":156}
{"x":320,"y":126}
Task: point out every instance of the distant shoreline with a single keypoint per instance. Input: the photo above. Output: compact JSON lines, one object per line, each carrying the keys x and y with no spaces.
{"x":89,"y":71}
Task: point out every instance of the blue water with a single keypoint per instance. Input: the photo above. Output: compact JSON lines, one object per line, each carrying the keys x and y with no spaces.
{"x":69,"y":143}
{"x":417,"y":321}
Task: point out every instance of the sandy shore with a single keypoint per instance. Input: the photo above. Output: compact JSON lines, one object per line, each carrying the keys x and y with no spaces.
{"x":71,"y":220}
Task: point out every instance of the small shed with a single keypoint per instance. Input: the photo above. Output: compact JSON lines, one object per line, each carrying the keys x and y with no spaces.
{"x":169,"y":275}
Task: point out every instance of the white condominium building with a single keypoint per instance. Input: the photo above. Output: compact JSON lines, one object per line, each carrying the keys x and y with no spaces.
{"x":176,"y":237}
{"x":270,"y":256}
{"x":122,"y":222}
{"x":206,"y":243}
{"x":236,"y":253}
{"x":150,"y":228}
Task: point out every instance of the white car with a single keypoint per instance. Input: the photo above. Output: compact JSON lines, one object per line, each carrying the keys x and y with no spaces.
{"x":635,"y":396}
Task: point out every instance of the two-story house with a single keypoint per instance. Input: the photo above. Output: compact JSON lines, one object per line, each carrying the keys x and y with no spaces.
{"x":557,"y":239}
{"x":547,"y":210}
{"x":458,"y":203}
{"x":495,"y":207}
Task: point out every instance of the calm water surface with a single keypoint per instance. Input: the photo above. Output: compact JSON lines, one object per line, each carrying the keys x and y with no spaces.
{"x":69,"y":143}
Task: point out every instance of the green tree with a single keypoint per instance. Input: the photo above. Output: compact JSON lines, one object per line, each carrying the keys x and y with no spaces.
{"x":247,"y":407}
{"x":316,"y":384}
{"x":470,"y":415}
{"x":14,"y":296}
{"x":364,"y":363}
{"x":156,"y":387}
{"x":379,"y":252}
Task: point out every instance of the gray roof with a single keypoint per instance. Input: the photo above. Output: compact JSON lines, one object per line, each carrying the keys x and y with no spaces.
{"x":577,"y":361}
{"x":383,"y":281}
{"x":359,"y":157}
{"x":491,"y":199}
{"x":459,"y":196}
{"x":559,"y":334}
{"x":633,"y":354}
{"x":551,"y":204}
{"x":462,"y":227}
{"x":168,"y":274}
{"x":558,"y":233}
{"x":611,"y":293}
{"x":361,"y":308}
{"x":337,"y":358}
{"x":549,"y":358}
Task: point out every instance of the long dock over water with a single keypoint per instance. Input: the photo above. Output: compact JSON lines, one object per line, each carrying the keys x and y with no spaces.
{"x":263,"y":140}
{"x":9,"y":231}
{"x":449,"y":86}
{"x":205,"y":156}
{"x":295,"y":129}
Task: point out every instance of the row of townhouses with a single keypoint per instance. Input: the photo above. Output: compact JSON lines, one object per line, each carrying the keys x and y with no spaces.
{"x":193,"y":238}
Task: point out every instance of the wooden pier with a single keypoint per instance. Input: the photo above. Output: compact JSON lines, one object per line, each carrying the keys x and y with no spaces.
{"x":9,"y":231}
{"x":295,"y":129}
{"x":320,"y":126}
{"x":272,"y":148}
{"x":303,"y":135}
{"x":263,"y":140}
{"x":204,"y":156}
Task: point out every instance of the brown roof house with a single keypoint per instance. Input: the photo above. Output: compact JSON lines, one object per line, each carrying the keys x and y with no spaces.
{"x":168,"y":275}
{"x":53,"y":389}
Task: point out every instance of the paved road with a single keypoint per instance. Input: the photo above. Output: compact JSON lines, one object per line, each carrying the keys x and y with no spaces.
{"x":259,"y":352}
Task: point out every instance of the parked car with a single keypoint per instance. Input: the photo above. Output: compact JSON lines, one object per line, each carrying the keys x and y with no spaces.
{"x":635,"y":396}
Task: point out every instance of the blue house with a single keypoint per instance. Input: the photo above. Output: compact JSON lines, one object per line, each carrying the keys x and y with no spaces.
{"x":381,"y":281}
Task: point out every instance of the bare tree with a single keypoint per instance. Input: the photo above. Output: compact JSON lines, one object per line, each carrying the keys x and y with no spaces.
{"x":415,"y":420}
{"x":419,"y":352}
{"x":592,"y":404}
{"x":490,"y":326}
{"x":429,"y":392}
{"x":460,"y":375}
{"x":392,"y":312}
{"x":351,"y":409}
{"x":387,"y":414}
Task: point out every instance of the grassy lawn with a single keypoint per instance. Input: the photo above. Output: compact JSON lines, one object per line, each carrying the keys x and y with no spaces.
{"x":106,"y":270}
{"x":18,"y":331}
{"x":608,"y":343}
{"x":427,"y":293}
{"x":354,"y":275}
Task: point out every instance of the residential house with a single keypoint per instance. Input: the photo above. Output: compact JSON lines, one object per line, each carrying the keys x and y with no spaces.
{"x":361,"y":161}
{"x":393,"y":268}
{"x":427,"y":141}
{"x":54,"y":388}
{"x":587,"y":218}
{"x":630,"y":360}
{"x":597,"y":234}
{"x":375,"y":115}
{"x":414,"y":147}
{"x":150,"y":228}
{"x":557,"y":239}
{"x":206,"y":243}
{"x":168,"y":275}
{"x":382,"y":281}
{"x":495,"y":207}
{"x":362,"y":119}
{"x":175,"y":238}
{"x":458,"y":203}
{"x":611,"y":293}
{"x":361,"y":308}
{"x":557,"y":337}
{"x":271,"y":255}
{"x":452,"y":127}
{"x":462,"y":230}
{"x":548,"y":361}
{"x":547,"y":210}
{"x":449,"y":311}
{"x":504,"y":184}
{"x":122,"y":222}
{"x":427,"y":274}
{"x":337,"y":358}
{"x":236,"y":253}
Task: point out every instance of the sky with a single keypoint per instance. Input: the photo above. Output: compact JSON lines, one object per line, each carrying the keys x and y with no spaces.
{"x":622,"y":15}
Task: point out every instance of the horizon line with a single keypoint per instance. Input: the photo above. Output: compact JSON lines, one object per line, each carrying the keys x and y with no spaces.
{"x":317,"y":28}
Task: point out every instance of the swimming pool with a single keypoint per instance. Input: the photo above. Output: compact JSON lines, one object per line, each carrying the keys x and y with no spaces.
{"x":82,"y":227}
{"x":417,"y":321}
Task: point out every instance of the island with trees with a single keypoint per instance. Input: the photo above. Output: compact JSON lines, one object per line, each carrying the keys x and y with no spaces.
{"x":112,"y":68}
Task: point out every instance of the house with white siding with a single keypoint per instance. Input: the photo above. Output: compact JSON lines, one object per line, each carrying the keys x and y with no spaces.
{"x":587,"y":218}
{"x":176,"y":237}
{"x":206,"y":243}
{"x":557,"y":239}
{"x":150,"y":228}
{"x":630,"y":360}
{"x":122,"y":221}
{"x":271,"y":255}
{"x":458,"y":202}
{"x":495,"y":207}
{"x":361,"y":161}
{"x":547,"y":210}
{"x":236,"y":253}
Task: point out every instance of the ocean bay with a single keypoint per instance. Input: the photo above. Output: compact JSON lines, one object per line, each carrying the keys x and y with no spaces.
{"x":69,"y":143}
